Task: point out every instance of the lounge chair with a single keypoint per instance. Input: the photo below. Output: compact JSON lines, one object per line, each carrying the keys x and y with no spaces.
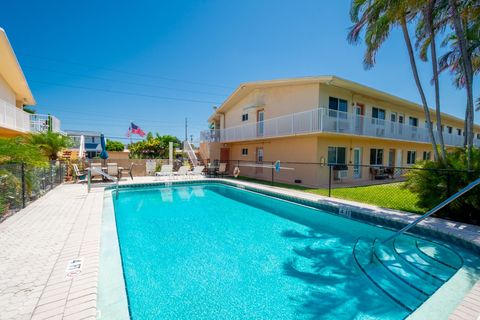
{"x":182,"y":171}
{"x":80,"y":176}
{"x":112,"y":169}
{"x":222,"y":169}
{"x":97,"y":167}
{"x":165,"y":171}
{"x":197,"y":171}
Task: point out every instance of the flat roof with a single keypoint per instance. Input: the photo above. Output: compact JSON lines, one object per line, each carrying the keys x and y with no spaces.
{"x":247,"y":87}
{"x":82,"y":132}
{"x":11,"y":71}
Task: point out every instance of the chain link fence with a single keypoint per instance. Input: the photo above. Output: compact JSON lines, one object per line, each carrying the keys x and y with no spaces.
{"x":21,"y":184}
{"x":411,"y":189}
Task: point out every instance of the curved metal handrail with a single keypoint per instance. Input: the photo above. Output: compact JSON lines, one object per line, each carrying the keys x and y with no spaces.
{"x":432,"y":211}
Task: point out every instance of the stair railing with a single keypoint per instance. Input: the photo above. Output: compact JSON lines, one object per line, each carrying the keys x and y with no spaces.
{"x":187,"y":148}
{"x":95,"y":170}
{"x":430,"y":212}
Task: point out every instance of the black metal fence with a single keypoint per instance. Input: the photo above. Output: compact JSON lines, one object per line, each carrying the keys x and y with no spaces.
{"x":410,"y":189}
{"x":21,"y":184}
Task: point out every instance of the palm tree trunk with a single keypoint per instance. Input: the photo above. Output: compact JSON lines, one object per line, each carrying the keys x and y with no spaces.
{"x":428,"y":13}
{"x":413,"y":64}
{"x":468,"y":72}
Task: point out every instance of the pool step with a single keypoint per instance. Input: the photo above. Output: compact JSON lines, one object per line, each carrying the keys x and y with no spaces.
{"x":408,"y":270}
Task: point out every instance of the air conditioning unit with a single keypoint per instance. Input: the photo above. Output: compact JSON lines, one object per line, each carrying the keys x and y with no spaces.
{"x":342,"y":174}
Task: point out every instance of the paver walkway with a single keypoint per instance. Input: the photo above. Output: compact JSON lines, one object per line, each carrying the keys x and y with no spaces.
{"x":36,"y":245}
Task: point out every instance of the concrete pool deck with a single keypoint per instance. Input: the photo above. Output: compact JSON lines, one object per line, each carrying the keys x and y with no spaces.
{"x":40,"y":241}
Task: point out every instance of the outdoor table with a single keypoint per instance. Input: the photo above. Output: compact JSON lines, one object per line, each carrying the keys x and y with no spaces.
{"x":211,"y":171}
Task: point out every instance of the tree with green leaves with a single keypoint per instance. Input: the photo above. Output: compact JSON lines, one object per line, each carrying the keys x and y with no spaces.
{"x":153,"y":146}
{"x":113,"y":145}
{"x":427,"y":27}
{"x":376,"y":19}
{"x":19,"y":150}
{"x":50,"y":143}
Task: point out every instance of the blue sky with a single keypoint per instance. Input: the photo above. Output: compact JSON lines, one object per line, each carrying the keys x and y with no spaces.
{"x":97,"y":65}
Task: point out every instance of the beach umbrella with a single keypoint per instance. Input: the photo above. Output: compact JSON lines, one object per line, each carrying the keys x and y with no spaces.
{"x":104,"y":153}
{"x":81,"y":149}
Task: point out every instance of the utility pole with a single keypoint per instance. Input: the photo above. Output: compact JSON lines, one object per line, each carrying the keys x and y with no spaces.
{"x":186,"y":131}
{"x":191,"y":138}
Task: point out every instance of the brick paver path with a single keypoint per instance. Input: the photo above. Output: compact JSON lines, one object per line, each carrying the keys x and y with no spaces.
{"x":36,"y":245}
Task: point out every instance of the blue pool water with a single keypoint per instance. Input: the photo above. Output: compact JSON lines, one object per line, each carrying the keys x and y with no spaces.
{"x":217,"y":252}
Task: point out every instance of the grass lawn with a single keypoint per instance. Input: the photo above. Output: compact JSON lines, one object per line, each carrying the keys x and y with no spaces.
{"x":391,"y":195}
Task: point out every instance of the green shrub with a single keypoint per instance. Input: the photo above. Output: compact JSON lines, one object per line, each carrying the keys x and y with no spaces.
{"x":442,"y":180}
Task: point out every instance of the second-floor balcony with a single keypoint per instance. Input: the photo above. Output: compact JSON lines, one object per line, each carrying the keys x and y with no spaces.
{"x":331,"y":121}
{"x":16,"y":119}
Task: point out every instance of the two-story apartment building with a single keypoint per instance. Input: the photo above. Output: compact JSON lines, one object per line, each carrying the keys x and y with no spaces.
{"x":304,"y":122}
{"x":15,"y":94}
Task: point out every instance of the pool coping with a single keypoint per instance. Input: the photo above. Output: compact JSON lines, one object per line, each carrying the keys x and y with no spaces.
{"x":112,"y":302}
{"x":464,"y":235}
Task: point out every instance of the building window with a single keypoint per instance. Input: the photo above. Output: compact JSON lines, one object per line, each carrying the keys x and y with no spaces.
{"x":393,"y":117}
{"x":449,"y":130}
{"x":411,"y":156}
{"x":260,"y":155}
{"x":378,"y":113}
{"x":336,"y":104}
{"x":245,"y":117}
{"x":244,"y":151}
{"x":427,"y":155}
{"x":413,"y":121}
{"x":459,"y":132}
{"x":336,"y":155}
{"x":376,"y":157}
{"x":478,"y":136}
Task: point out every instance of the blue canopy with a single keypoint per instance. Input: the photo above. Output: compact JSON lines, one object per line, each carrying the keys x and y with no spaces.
{"x":104,"y":153}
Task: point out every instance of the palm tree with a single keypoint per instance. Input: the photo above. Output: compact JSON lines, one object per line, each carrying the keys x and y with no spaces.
{"x":426,"y":32}
{"x":378,"y":18}
{"x":466,"y":65}
{"x":50,"y":143}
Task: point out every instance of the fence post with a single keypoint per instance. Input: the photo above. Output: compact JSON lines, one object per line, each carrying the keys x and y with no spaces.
{"x":329,"y":180}
{"x":448,"y":185}
{"x":23,"y":184}
{"x":273,"y":174}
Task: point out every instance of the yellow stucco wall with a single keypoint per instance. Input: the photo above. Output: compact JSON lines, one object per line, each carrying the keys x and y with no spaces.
{"x":275,"y":101}
{"x":305,"y":154}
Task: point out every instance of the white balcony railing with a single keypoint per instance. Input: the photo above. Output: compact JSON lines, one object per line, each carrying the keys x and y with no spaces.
{"x":325,"y":120}
{"x":43,"y":123}
{"x":13,"y":118}
{"x":16,"y":119}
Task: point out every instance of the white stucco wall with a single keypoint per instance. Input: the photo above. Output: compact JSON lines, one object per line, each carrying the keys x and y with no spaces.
{"x":6,"y":92}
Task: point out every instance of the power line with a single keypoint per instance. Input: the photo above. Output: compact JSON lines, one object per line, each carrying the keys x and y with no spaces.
{"x":122,"y":71}
{"x":124,"y":92}
{"x":109,"y":116}
{"x":122,"y":81}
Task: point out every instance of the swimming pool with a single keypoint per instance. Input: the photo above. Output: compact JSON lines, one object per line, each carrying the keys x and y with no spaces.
{"x":213,"y":251}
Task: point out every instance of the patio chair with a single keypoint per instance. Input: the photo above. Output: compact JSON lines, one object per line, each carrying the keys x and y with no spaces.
{"x":182,"y":171}
{"x":165,"y":171}
{"x":222,"y":169}
{"x":127,"y":171}
{"x":112,"y":169}
{"x":197,"y":171}
{"x":80,"y":176}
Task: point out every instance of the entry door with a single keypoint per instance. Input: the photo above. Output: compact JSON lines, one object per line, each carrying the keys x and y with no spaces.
{"x":260,"y":123}
{"x":357,"y":162}
{"x":259,"y":169}
{"x":391,"y":157}
{"x":358,"y":109}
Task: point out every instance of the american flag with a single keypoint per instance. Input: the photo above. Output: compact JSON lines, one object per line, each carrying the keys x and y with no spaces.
{"x":134,"y":129}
